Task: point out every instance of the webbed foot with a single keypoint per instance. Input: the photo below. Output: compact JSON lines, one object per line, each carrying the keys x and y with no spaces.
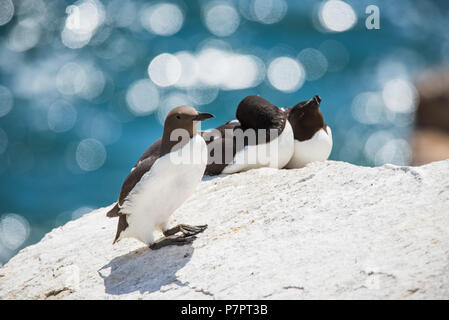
{"x":172,"y":240}
{"x":185,"y":229}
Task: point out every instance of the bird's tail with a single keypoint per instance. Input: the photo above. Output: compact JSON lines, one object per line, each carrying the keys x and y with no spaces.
{"x":122,"y":225}
{"x":114,"y":212}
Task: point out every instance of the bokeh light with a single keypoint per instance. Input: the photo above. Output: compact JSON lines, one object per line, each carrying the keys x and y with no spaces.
{"x":376,"y":141}
{"x":164,"y":19}
{"x":395,"y":151}
{"x":200,"y":95}
{"x":337,"y":16}
{"x":213,"y":66}
{"x":24,"y":36}
{"x":189,"y":69}
{"x":400,"y":95}
{"x":221,"y":19}
{"x":263,"y":11}
{"x":90,"y":154}
{"x":246,"y":71}
{"x":81,"y":79}
{"x":165,"y":70}
{"x":83,"y":19}
{"x":142,"y":97}
{"x":94,"y":82}
{"x":269,"y":11}
{"x":14,"y":230}
{"x":368,"y":108}
{"x":286,"y":74}
{"x":314,"y":63}
{"x":6,"y":11}
{"x":61,"y":116}
{"x":391,"y":68}
{"x":71,"y":79}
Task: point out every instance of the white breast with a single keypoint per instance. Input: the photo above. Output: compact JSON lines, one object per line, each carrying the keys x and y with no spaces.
{"x":163,"y":189}
{"x":274,"y":154}
{"x":318,"y":148}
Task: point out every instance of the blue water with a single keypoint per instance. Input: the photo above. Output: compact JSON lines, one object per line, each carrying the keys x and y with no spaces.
{"x":39,"y":177}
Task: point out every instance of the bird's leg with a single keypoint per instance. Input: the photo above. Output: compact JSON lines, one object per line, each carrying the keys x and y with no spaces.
{"x":172,"y":240}
{"x":185,"y":229}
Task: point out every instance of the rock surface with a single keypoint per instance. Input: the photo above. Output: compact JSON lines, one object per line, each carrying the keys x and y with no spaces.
{"x":330,"y":230}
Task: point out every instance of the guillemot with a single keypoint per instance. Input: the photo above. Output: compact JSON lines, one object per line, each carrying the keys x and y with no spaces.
{"x":313,"y":138}
{"x":163,"y":178}
{"x":261,"y":136}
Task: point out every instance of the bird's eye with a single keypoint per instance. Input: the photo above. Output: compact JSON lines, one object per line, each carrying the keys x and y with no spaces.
{"x":178,"y":117}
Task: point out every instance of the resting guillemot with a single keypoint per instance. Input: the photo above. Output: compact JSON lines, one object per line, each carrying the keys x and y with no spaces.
{"x":159,"y":182}
{"x":260,"y":137}
{"x":313,"y":138}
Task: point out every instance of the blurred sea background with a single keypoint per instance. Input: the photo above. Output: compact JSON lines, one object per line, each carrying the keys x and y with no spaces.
{"x":85,"y":86}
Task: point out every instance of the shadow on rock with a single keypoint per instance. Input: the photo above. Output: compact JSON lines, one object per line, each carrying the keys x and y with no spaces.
{"x":145,"y":270}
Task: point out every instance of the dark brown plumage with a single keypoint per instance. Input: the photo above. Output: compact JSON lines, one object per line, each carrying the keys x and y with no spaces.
{"x":306,"y":118}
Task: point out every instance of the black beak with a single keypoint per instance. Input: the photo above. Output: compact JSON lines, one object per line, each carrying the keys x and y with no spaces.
{"x":314,"y":102}
{"x":203,"y":116}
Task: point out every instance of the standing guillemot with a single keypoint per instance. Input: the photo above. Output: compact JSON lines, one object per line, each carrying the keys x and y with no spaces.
{"x":260,"y":137}
{"x":313,"y":138}
{"x":159,"y":183}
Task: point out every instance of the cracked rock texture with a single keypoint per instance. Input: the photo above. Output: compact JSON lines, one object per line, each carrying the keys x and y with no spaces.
{"x":330,"y":230}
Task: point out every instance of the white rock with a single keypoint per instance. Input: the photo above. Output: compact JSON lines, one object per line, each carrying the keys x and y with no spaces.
{"x":330,"y":230}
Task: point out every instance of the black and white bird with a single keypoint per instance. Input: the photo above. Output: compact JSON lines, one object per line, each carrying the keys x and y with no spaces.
{"x":238,"y":152}
{"x":160,"y":182}
{"x":313,"y":138}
